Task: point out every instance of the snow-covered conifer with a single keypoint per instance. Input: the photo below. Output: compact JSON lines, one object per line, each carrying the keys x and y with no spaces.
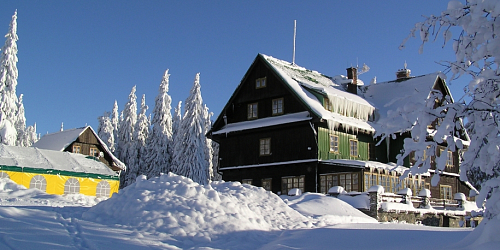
{"x":159,"y":146}
{"x":189,"y":153}
{"x":115,"y":121}
{"x":105,"y":131}
{"x":126,"y":136}
{"x":141,"y":136}
{"x":8,"y":84}
{"x":20,"y":124}
{"x":176,"y":120}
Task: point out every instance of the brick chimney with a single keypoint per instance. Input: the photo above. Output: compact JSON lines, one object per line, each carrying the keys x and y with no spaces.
{"x":403,"y":73}
{"x":352,"y":73}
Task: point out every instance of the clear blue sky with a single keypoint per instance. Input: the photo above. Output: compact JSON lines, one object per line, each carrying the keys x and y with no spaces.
{"x":77,"y":57}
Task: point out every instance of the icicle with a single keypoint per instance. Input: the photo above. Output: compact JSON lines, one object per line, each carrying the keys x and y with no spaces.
{"x":349,"y":108}
{"x":387,"y":143}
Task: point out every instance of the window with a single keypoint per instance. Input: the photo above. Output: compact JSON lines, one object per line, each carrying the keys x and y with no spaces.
{"x":334,"y":143}
{"x":252,"y":111}
{"x":353,"y":145}
{"x":349,"y":181}
{"x":246,"y":181}
{"x":266,"y":184}
{"x":265,"y":146}
{"x":287,"y":183}
{"x":72,"y":186}
{"x":449,"y":159}
{"x":38,"y":182}
{"x":94,"y":152}
{"x":260,"y":83}
{"x":103,"y":189}
{"x":371,"y":152}
{"x":4,"y":175}
{"x":327,"y":104}
{"x":76,"y":149}
{"x":445,"y":192}
{"x":278,"y":106}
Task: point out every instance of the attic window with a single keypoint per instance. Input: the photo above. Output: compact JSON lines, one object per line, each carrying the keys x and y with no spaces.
{"x":94,"y":152}
{"x":252,"y":111}
{"x":260,"y":83}
{"x":77,"y":149}
{"x":327,"y":104}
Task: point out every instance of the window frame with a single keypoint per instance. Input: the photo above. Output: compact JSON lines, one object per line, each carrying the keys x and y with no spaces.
{"x":253,"y":111}
{"x":96,"y":154}
{"x":351,"y":150}
{"x":261,"y":83}
{"x":267,"y":187}
{"x":327,"y":104}
{"x":103,"y":189}
{"x":277,"y":110}
{"x":72,"y":186}
{"x":77,"y":149}
{"x":335,"y":147}
{"x":263,"y":146}
{"x":445,"y":195}
{"x":292,"y":182}
{"x":247,"y":181}
{"x":39,"y":182}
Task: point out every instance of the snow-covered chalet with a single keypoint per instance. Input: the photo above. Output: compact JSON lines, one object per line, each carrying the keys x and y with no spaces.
{"x":288,"y":127}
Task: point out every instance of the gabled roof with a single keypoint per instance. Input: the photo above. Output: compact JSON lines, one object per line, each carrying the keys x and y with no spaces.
{"x":303,"y":82}
{"x":41,"y":159}
{"x":59,"y":141}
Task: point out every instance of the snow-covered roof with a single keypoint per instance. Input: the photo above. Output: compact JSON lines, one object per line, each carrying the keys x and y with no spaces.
{"x":368,"y":164}
{"x":302,"y":81}
{"x":400,"y":95}
{"x":58,"y":141}
{"x":265,"y":122}
{"x":29,"y":157}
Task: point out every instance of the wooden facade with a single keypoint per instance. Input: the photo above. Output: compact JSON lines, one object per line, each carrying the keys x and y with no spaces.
{"x":267,"y":149}
{"x":80,"y":141}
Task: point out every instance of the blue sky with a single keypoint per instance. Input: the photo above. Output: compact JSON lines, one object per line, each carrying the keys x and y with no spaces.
{"x":77,"y":57}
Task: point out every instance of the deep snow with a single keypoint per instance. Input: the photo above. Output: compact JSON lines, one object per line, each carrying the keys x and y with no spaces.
{"x":172,"y":212}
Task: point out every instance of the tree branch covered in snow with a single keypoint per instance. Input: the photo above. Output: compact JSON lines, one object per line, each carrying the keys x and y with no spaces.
{"x":477,"y":51}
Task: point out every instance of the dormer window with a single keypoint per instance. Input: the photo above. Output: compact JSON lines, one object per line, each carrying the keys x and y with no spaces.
{"x":260,"y":83}
{"x":252,"y":111}
{"x":327,"y":104}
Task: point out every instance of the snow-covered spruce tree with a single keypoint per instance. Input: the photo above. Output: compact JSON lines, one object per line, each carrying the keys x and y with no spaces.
{"x":477,"y":51}
{"x":176,"y":120}
{"x":31,"y":135}
{"x":20,"y":124}
{"x":115,"y":121}
{"x":210,"y":152}
{"x":8,"y":84}
{"x":189,"y":152}
{"x":126,"y":138}
{"x":159,"y":145}
{"x":105,"y":131}
{"x":141,"y":136}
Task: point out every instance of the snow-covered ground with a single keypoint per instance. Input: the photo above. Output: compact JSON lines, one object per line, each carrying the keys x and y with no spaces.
{"x":172,"y":212}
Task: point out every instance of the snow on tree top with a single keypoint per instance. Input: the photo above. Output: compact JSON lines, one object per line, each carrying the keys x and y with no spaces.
{"x":52,"y":160}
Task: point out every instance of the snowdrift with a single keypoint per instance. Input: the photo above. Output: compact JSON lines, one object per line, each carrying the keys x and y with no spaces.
{"x":176,"y":205}
{"x":328,"y":210}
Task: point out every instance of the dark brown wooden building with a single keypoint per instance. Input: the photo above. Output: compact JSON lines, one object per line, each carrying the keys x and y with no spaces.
{"x":289,"y":127}
{"x":80,"y":141}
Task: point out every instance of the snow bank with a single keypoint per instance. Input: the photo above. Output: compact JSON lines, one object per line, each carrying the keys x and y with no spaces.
{"x":327,"y":209}
{"x":172,"y":204}
{"x":12,"y":194}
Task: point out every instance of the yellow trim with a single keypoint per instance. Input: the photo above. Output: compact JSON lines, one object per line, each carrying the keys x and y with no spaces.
{"x":55,"y":183}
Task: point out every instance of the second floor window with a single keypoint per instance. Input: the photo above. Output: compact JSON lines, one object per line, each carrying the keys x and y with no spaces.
{"x":265,"y":146}
{"x":334,"y":143}
{"x":278,"y":106}
{"x":353,"y":145}
{"x":327,"y":104}
{"x":77,"y":149}
{"x":252,"y":111}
